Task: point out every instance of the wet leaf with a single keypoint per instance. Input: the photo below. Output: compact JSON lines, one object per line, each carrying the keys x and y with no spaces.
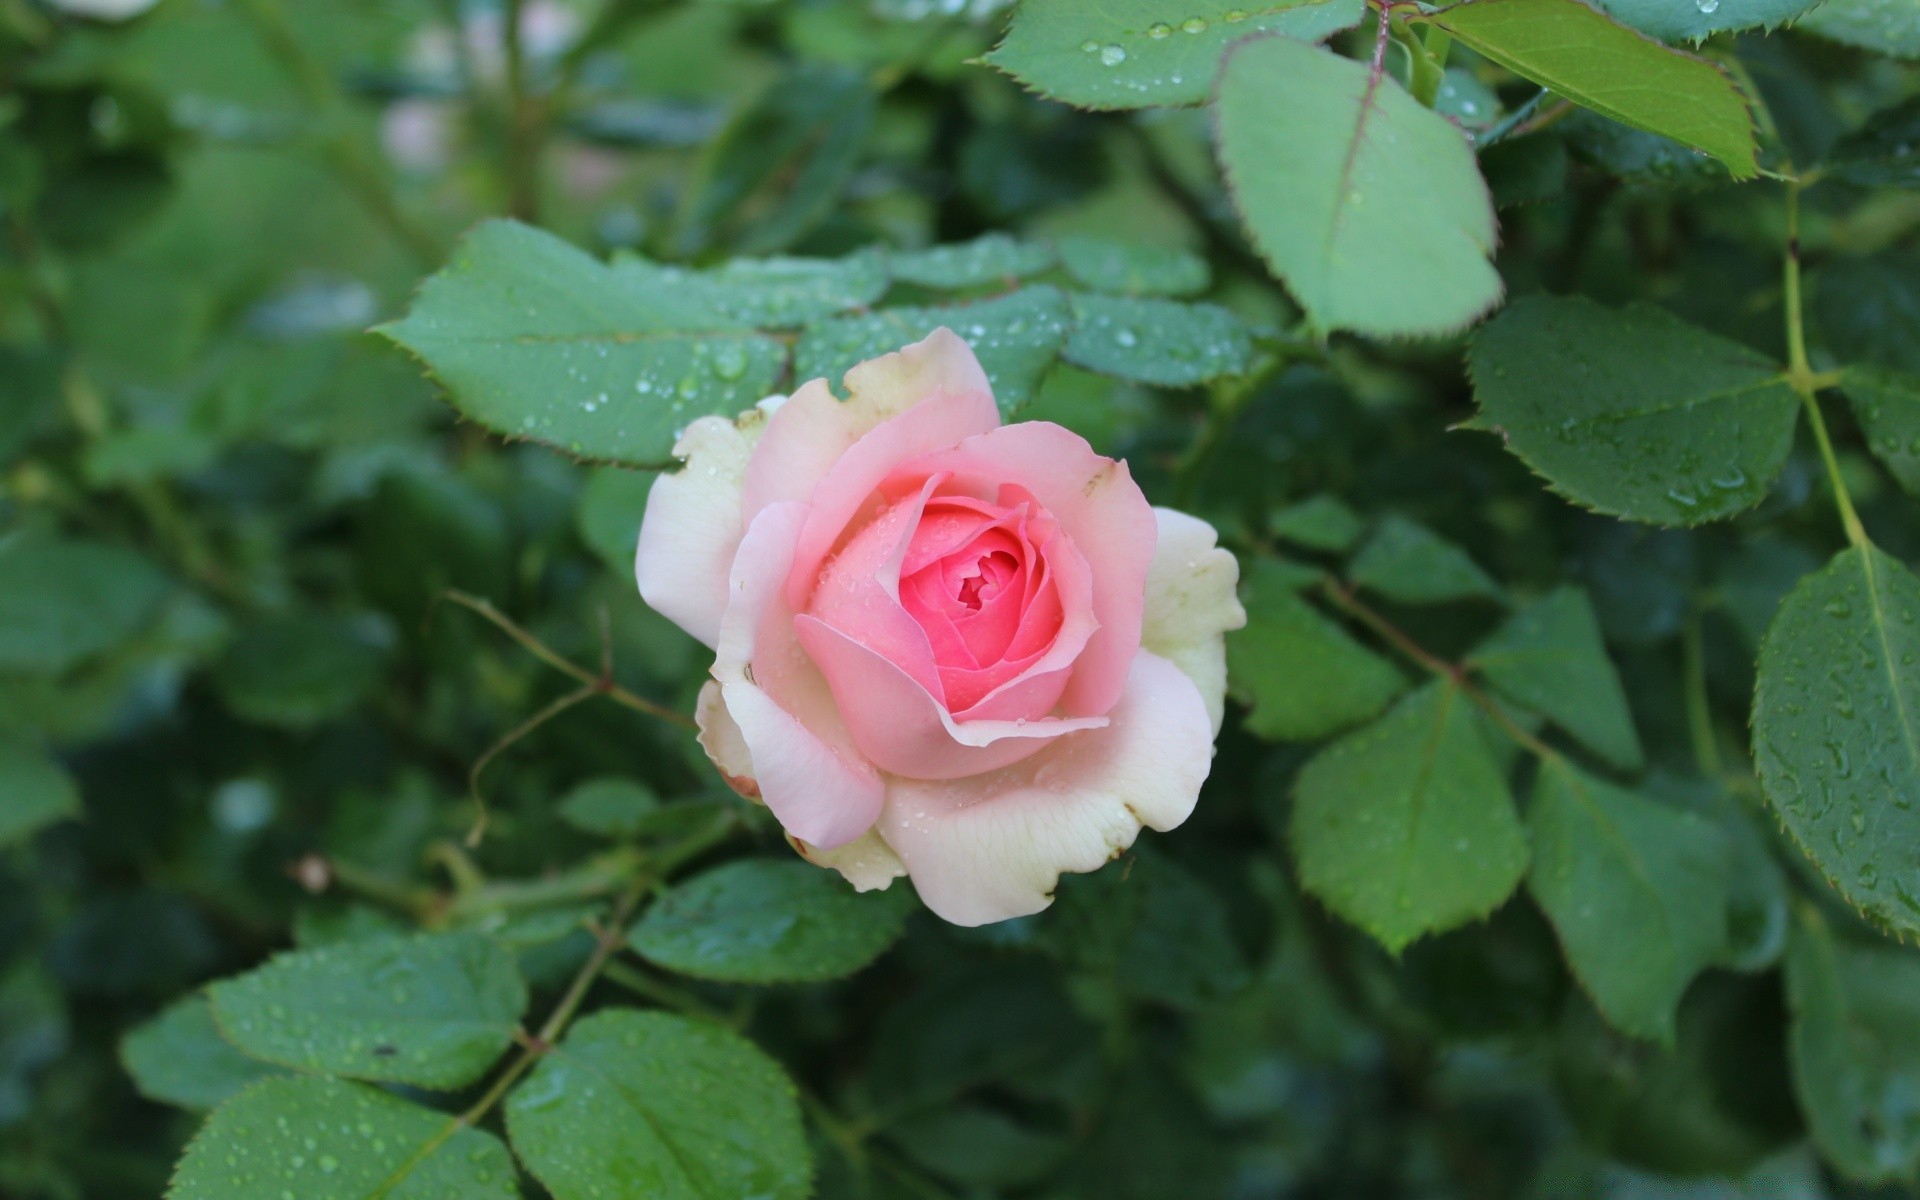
{"x":1836,"y":729}
{"x":434,"y":1011}
{"x":992,"y":258}
{"x":1409,"y":563}
{"x":326,"y":1139}
{"x":650,"y":1104}
{"x":764,"y":293}
{"x":1156,"y":341}
{"x":1303,"y":675}
{"x":767,"y":921}
{"x":1549,"y":658}
{"x":1887,"y":405}
{"x":1633,"y":412}
{"x":1406,"y":827}
{"x":180,"y":1058}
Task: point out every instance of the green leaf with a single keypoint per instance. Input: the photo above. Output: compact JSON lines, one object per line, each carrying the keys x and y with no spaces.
{"x":1836,"y":729}
{"x":299,"y":670}
{"x":1303,"y":676}
{"x":1635,"y":155}
{"x":1324,"y":192}
{"x":1697,"y":20}
{"x":534,"y":339}
{"x":1633,"y":412}
{"x":1409,"y":563}
{"x":992,"y":258}
{"x":1016,"y":336}
{"x":609,"y":807}
{"x":1855,"y":1048}
{"x":1883,"y":26}
{"x":971,"y":1143}
{"x":1134,"y":268}
{"x":1322,"y":522}
{"x":1142,"y":53}
{"x":1637,"y":891}
{"x":180,"y":1058}
{"x":1156,"y":341}
{"x":1887,"y":405}
{"x":1549,"y":658}
{"x":649,"y":1104}
{"x":1868,"y":309}
{"x":764,"y":293}
{"x":434,"y":1011}
{"x":1597,"y":62}
{"x":769,"y":921}
{"x":327,"y":1139}
{"x":63,"y":600}
{"x":1885,"y":152}
{"x":35,"y":791}
{"x":608,"y":516}
{"x":1406,"y":827}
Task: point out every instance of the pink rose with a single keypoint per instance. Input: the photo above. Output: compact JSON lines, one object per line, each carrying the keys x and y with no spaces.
{"x":946,"y":648}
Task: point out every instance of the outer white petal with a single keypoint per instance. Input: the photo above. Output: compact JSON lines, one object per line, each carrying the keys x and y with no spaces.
{"x":1191,"y":604}
{"x":868,"y":863}
{"x":693,"y":526}
{"x":994,"y":846}
{"x":721,"y":738}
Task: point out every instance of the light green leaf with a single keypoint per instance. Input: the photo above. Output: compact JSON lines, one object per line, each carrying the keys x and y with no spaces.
{"x":1697,"y":20}
{"x":299,"y":670}
{"x":1133,"y":268}
{"x":1597,"y":62}
{"x":1156,"y":341}
{"x":1633,"y":412}
{"x":1406,"y":827}
{"x":1836,"y":729}
{"x":535,"y":339}
{"x":1549,"y":658}
{"x":1887,"y":405}
{"x":1409,"y":563}
{"x":1883,"y":26}
{"x":434,"y":1011}
{"x":1322,"y":522}
{"x":35,"y":791}
{"x":609,"y":807}
{"x":1302,"y":674}
{"x":180,"y":1058}
{"x":1885,"y":152}
{"x":763,"y":293}
{"x":765,"y":921}
{"x":327,"y":1139}
{"x":63,"y":600}
{"x":1606,"y":862}
{"x":1141,"y":53}
{"x":649,"y":1104}
{"x":992,"y":258}
{"x":1854,"y":1045}
{"x":1016,"y":336}
{"x":1324,"y":192}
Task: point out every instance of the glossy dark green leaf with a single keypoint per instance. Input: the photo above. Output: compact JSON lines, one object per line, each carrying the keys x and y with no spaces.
{"x":1697,"y":20}
{"x":63,"y":600}
{"x":1158,"y":930}
{"x":1883,"y":26}
{"x":1887,"y":405}
{"x":1549,"y":658}
{"x":434,"y":1011}
{"x":1597,"y":62}
{"x":1855,"y":1047}
{"x":35,"y":790}
{"x":327,"y":1139}
{"x":1302,"y":674}
{"x":764,"y":293}
{"x":180,"y":1058}
{"x":1605,"y":861}
{"x":1867,"y":309}
{"x":1633,"y":412}
{"x":1885,"y":152}
{"x":1136,"y":53}
{"x":650,"y":1104}
{"x":1323,"y":191}
{"x":1406,"y":827}
{"x":990,"y":259}
{"x":1836,"y":729}
{"x":1133,"y":268}
{"x":534,"y":339}
{"x":977,"y":1145}
{"x":769,"y":921}
{"x":1409,"y":563}
{"x":1016,"y":337}
{"x":1166,"y":342}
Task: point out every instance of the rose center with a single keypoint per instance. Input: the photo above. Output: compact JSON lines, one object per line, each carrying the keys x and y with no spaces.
{"x":990,"y":573}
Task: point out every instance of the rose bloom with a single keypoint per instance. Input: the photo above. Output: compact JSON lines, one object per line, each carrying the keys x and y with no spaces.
{"x":947,"y":648}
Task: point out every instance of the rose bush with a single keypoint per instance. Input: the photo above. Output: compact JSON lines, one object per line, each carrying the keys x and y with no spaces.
{"x":966,"y":652}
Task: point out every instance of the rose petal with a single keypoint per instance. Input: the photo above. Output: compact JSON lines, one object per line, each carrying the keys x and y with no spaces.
{"x":720,"y":737}
{"x":1191,"y":604}
{"x":693,"y":524}
{"x":868,"y":863}
{"x":992,"y":847}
